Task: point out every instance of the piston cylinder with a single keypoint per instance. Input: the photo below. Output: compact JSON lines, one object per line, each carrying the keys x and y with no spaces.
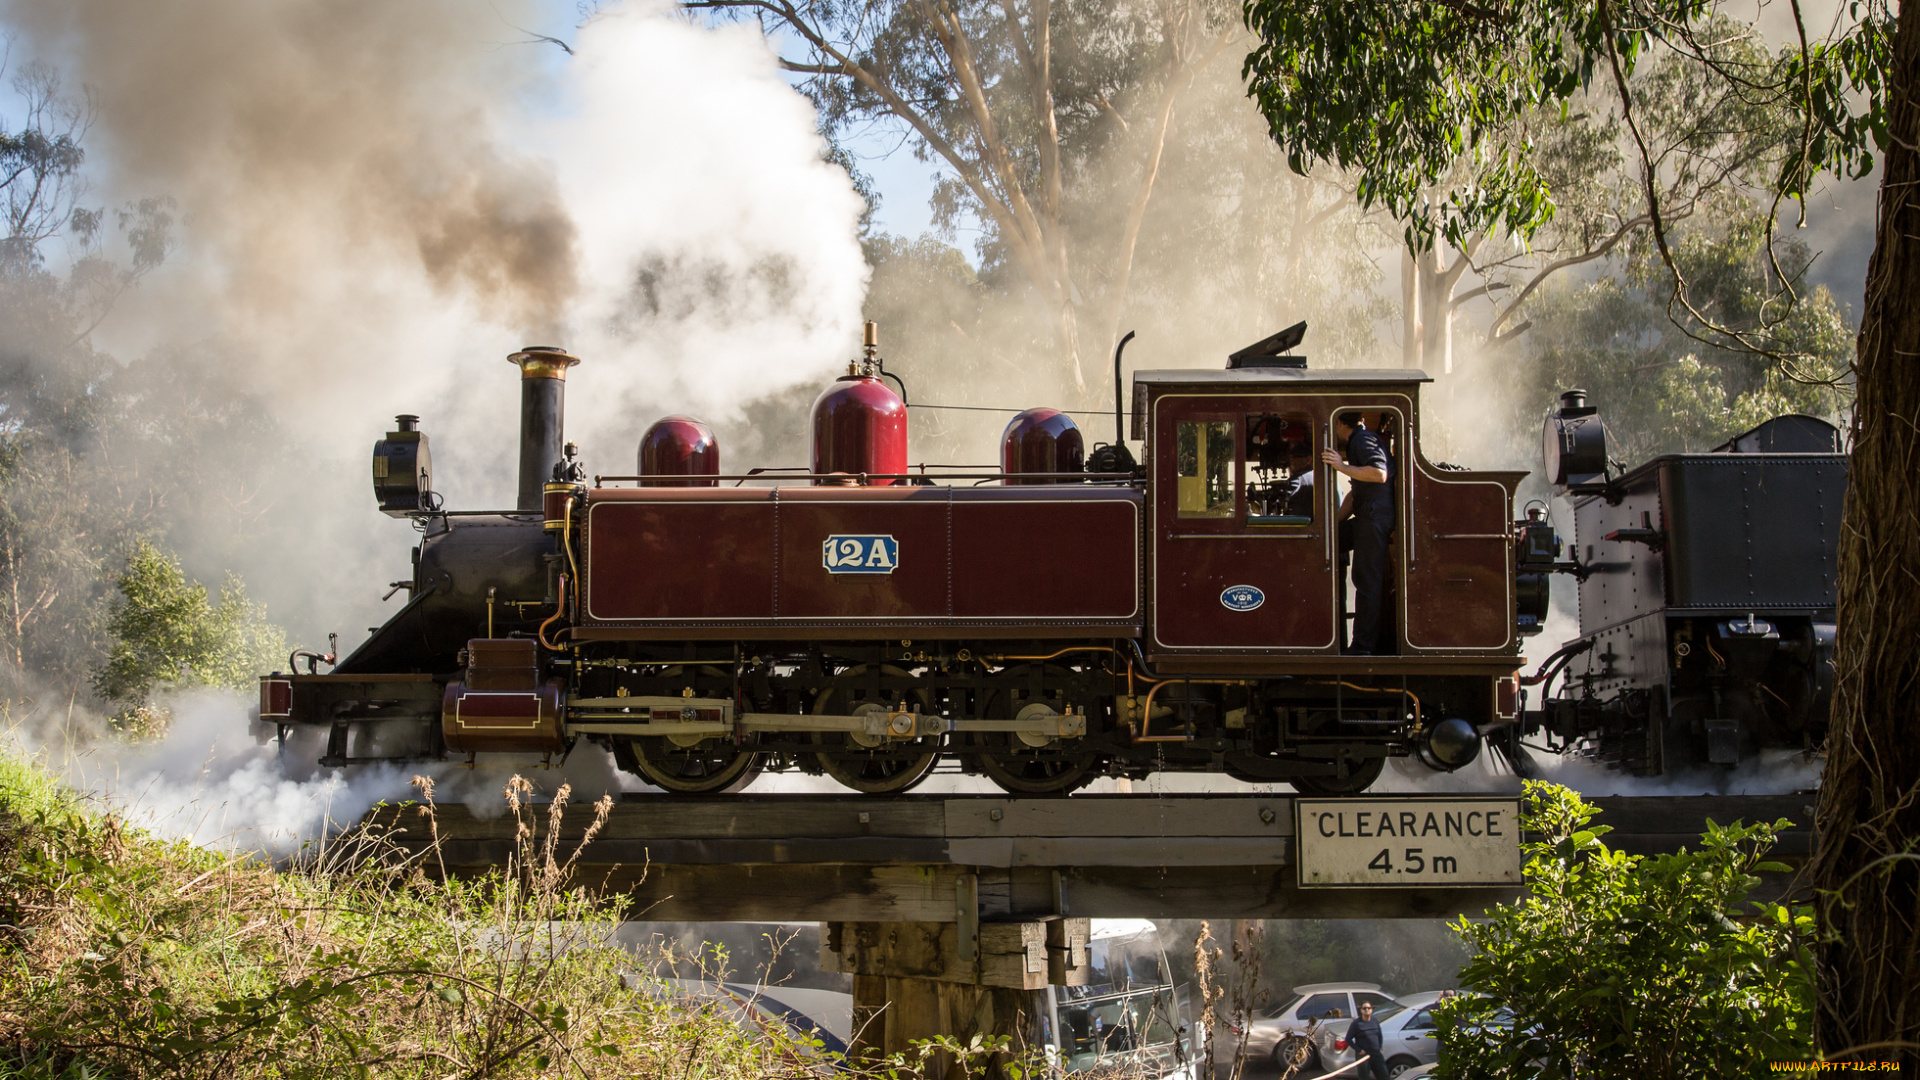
{"x":501,"y":704}
{"x":859,"y":427}
{"x":1041,"y":440}
{"x":679,"y":446}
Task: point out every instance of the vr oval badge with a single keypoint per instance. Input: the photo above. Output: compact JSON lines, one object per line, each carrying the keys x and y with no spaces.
{"x":1241,"y":598}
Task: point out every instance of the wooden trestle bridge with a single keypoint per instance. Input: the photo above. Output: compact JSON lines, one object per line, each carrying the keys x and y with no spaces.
{"x":947,"y":909}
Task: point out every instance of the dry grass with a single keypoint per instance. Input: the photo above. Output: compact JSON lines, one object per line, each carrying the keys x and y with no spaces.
{"x":125,"y":955}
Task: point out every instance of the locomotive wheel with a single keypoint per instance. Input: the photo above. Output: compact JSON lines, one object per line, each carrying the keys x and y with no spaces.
{"x":876,"y":766}
{"x":1025,"y":764}
{"x":1360,"y":776}
{"x":707,"y":767}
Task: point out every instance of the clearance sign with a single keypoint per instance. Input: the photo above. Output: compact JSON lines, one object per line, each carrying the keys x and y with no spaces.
{"x":1405,"y":842}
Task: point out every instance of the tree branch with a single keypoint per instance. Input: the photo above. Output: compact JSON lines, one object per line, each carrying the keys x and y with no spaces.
{"x":996,"y":208}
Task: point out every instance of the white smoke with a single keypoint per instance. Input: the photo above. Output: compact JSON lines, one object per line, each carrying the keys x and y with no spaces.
{"x":210,"y":782}
{"x":377,"y":203}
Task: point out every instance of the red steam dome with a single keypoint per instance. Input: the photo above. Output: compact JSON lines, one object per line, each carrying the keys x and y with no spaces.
{"x":859,"y":426}
{"x":1041,"y":440}
{"x":679,"y":446}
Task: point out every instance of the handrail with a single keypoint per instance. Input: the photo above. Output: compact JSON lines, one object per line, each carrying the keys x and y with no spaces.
{"x":861,"y":478}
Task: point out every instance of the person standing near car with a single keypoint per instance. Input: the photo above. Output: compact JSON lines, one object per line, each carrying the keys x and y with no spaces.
{"x":1364,"y":1036}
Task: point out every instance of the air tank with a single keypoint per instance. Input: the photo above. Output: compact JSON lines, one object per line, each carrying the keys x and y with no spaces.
{"x":859,"y":423}
{"x":679,"y":446}
{"x":1041,"y":440}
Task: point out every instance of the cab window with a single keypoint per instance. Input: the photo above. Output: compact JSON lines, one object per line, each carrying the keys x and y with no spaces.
{"x":1280,"y":470}
{"x":1204,"y":458}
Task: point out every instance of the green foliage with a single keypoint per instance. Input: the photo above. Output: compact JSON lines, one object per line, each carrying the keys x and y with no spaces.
{"x":122,"y":955}
{"x":1619,"y":965}
{"x":1405,"y":93}
{"x":96,"y":450}
{"x":166,"y":633}
{"x":1661,"y":389}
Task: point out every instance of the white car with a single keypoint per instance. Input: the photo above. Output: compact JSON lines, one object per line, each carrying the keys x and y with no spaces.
{"x":1324,"y":1009}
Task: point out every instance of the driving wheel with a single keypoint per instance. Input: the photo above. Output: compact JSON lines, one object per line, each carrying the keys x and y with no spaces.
{"x":872,"y":763}
{"x":1027,"y":763}
{"x":689,"y":764}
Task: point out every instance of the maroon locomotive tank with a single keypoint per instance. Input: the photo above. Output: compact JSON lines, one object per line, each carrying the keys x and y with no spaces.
{"x":679,"y":446}
{"x":859,"y":426}
{"x":1041,"y":440}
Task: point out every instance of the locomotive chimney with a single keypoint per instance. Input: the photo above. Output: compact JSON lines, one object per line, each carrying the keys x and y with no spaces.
{"x":543,"y":400}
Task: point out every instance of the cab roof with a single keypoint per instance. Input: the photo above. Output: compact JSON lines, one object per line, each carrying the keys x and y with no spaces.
{"x":1233,"y":380}
{"x":1291,"y":376}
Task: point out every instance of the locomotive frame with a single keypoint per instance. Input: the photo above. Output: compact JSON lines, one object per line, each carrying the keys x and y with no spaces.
{"x":1043,"y":631}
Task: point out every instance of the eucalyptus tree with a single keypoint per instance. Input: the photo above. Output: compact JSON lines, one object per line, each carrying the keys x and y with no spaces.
{"x":1016,"y":99}
{"x":94,"y":452}
{"x":1550,"y":157}
{"x":1403,"y":90}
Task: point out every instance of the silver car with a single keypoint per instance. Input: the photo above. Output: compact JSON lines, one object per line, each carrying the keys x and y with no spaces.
{"x":1324,"y":1009}
{"x":1407,"y":1037}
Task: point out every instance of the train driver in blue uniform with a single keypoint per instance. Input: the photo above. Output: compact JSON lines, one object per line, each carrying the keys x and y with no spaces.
{"x":1369,"y":502}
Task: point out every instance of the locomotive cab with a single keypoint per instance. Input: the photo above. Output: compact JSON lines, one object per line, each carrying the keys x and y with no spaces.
{"x":1246,"y":558}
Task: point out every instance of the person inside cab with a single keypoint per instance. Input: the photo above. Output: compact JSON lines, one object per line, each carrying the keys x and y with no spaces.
{"x":1300,"y":486}
{"x":1369,"y":504}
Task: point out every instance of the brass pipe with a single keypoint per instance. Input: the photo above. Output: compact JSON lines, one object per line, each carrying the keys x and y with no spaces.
{"x":559,"y":609}
{"x":1146,"y":714}
{"x":1062,"y":652}
{"x":566,"y":538}
{"x":1410,"y":695}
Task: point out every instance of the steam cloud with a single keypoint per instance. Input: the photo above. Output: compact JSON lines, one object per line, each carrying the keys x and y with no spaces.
{"x":378,"y":202}
{"x":384,"y":199}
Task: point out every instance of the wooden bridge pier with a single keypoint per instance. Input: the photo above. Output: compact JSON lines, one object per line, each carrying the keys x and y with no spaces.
{"x":916,"y":981}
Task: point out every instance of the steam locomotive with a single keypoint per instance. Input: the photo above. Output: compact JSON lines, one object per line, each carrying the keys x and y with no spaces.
{"x":1075,"y":614}
{"x":1707,"y":585}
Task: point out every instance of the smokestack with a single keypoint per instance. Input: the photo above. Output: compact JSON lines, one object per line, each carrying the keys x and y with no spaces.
{"x":543,"y":402}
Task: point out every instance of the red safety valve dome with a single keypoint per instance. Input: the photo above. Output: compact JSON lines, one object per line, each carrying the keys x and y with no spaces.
{"x":859,"y":426}
{"x":1041,"y":440}
{"x":679,"y":446}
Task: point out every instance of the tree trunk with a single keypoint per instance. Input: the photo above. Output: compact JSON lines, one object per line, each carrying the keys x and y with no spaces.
{"x":1426,"y":309}
{"x":1867,"y":868}
{"x":1066,"y":336}
{"x":1436,"y":312}
{"x":1410,"y":291}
